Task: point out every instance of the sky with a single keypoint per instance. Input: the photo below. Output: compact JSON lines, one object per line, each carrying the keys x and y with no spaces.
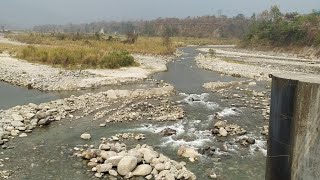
{"x":27,"y":13}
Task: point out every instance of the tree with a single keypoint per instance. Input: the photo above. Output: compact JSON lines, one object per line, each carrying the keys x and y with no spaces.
{"x":275,"y":14}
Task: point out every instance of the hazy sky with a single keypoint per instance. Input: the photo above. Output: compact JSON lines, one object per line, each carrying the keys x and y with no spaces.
{"x":33,"y":12}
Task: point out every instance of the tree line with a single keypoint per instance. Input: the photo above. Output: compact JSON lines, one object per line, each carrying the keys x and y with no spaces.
{"x":276,"y":29}
{"x":200,"y":27}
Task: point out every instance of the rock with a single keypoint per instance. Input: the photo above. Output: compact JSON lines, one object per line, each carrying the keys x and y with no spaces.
{"x":104,"y":147}
{"x":142,"y":170}
{"x":188,"y":152}
{"x":98,"y":175}
{"x":14,"y":132}
{"x":29,"y":115}
{"x":85,"y":136}
{"x":220,"y":124}
{"x":148,"y":154}
{"x":251,"y":140}
{"x":213,"y":176}
{"x":17,"y":117}
{"x":103,"y":168}
{"x":126,"y":165}
{"x":89,"y":154}
{"x":17,"y":123}
{"x":252,"y":84}
{"x":41,"y":115}
{"x":107,"y":154}
{"x":92,"y":164}
{"x":114,"y":160}
{"x":113,"y":172}
{"x":168,"y":132}
{"x":149,"y":177}
{"x":159,"y":166}
{"x":23,"y":135}
{"x":43,"y":122}
{"x":223,"y":132}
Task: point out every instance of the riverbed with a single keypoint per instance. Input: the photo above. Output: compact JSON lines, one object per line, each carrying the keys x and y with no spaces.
{"x":47,"y":152}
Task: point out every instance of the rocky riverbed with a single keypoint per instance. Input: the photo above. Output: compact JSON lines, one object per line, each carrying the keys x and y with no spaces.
{"x":20,"y":120}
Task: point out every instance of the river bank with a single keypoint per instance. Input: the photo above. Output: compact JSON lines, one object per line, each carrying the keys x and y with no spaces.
{"x":47,"y":78}
{"x":254,"y":64}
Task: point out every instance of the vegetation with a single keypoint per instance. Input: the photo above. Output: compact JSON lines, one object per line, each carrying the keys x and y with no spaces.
{"x":275,"y":29}
{"x":196,"y":27}
{"x":79,"y":57}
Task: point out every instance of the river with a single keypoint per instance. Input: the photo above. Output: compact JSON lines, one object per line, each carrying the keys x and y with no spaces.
{"x":47,"y":152}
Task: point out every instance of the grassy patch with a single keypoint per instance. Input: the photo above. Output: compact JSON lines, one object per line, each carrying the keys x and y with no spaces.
{"x":74,"y":57}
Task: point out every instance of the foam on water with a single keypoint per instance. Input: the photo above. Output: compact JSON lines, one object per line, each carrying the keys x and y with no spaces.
{"x":261,"y":145}
{"x":179,"y":127}
{"x":199,"y":100}
{"x":229,"y":112}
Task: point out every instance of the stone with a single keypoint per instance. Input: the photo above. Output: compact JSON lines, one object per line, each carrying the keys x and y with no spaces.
{"x":17,"y":117}
{"x":104,"y":147}
{"x":252,"y":84}
{"x":41,"y":115}
{"x":113,"y":172}
{"x":98,"y":175}
{"x":43,"y":122}
{"x":89,"y":154}
{"x":168,"y":132}
{"x":14,"y":132}
{"x":107,"y":154}
{"x":126,"y":165}
{"x":251,"y":140}
{"x":223,"y":132}
{"x":29,"y":115}
{"x":220,"y":124}
{"x":159,"y":166}
{"x":17,"y":123}
{"x":114,"y":160}
{"x":142,"y":170}
{"x":213,"y":176}
{"x":23,"y":135}
{"x":148,"y":154}
{"x":92,"y":164}
{"x":103,"y":168}
{"x":188,"y":152}
{"x":85,"y":136}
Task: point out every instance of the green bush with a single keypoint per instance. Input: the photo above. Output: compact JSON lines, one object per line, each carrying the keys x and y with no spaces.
{"x":117,"y":59}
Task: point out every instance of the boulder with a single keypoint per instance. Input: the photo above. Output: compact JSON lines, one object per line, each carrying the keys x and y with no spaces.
{"x":126,"y":165}
{"x":114,"y":160}
{"x":188,"y":152}
{"x":17,"y":124}
{"x":142,"y":170}
{"x":103,"y":168}
{"x":17,"y":117}
{"x":223,"y":132}
{"x":85,"y":136}
{"x":168,"y":132}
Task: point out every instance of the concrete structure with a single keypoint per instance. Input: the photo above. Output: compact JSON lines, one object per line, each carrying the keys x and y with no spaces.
{"x":294,"y":129}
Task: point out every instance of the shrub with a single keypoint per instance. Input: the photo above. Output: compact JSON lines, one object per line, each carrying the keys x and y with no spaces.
{"x":212,"y":52}
{"x":117,"y":59}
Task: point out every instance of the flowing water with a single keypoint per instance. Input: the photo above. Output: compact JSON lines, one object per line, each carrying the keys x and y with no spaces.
{"x":46,"y":153}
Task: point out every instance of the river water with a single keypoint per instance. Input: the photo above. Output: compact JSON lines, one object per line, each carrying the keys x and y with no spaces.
{"x":46,"y":153}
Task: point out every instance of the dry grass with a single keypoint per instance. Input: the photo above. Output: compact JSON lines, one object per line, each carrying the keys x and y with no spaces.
{"x":92,"y":50}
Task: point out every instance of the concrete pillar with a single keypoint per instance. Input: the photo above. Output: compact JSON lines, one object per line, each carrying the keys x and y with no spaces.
{"x":294,"y":128}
